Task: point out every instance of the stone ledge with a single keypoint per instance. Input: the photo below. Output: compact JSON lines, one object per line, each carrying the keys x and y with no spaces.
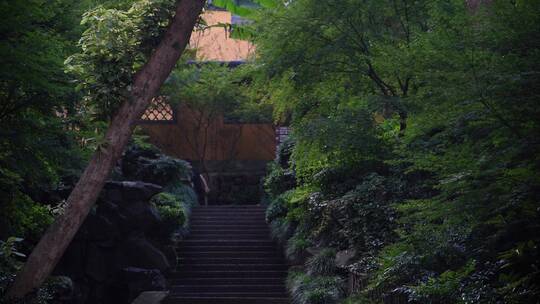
{"x":150,"y":297}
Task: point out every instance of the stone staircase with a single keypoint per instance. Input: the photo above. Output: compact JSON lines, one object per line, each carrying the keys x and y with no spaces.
{"x":229,"y":259}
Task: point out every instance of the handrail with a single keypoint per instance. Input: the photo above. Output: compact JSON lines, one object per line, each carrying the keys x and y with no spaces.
{"x":206,"y":189}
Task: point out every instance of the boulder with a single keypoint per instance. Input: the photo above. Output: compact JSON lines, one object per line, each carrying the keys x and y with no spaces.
{"x":131,"y":160}
{"x":124,"y":192}
{"x":110,"y":259}
{"x":344,"y":257}
{"x":151,"y":297}
{"x":140,"y":279}
{"x":139,"y":217}
{"x":73,"y":261}
{"x":100,"y":228}
{"x":147,"y":164}
{"x":62,"y":288}
{"x":99,"y":263}
{"x":140,"y":253}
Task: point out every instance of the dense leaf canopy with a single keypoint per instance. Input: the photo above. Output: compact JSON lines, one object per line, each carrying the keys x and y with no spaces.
{"x":415,"y":133}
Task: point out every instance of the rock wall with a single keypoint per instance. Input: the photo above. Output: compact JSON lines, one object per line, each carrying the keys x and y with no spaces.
{"x":126,"y":244}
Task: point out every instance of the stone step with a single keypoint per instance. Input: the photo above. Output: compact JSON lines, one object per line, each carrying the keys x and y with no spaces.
{"x":229,"y":219}
{"x":221,"y":230}
{"x":229,"y":213}
{"x":221,"y":260}
{"x":229,"y":208}
{"x":228,"y":281}
{"x":229,"y":258}
{"x":229,"y":222}
{"x":249,"y":226}
{"x":232,"y":267}
{"x":200,"y":217}
{"x":187,"y":274}
{"x":237,"y":294}
{"x":226,"y":247}
{"x":226,"y":243}
{"x":220,"y":299}
{"x":236,"y":236}
{"x":182,"y":289}
{"x":230,"y":254}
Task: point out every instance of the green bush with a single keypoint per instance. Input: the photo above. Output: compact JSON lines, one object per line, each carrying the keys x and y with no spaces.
{"x":174,"y":213}
{"x":166,"y":199}
{"x":278,"y":180}
{"x":184,"y":193}
{"x":306,"y":289}
{"x":297,"y":246}
{"x":323,"y":263}
{"x":281,"y":230}
{"x":173,"y":218}
{"x":276,"y":209}
{"x":24,"y":217}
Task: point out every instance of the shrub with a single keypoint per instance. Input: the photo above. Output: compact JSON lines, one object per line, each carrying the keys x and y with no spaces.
{"x":443,"y":288}
{"x":278,"y":180}
{"x":166,"y":199}
{"x":306,"y":289}
{"x":323,"y":263}
{"x":297,"y":246}
{"x":174,"y":213}
{"x":184,"y":193}
{"x":149,"y":165}
{"x":281,"y":230}
{"x":277,"y":208}
{"x":24,"y":217}
{"x":284,"y":152}
{"x":173,"y":218}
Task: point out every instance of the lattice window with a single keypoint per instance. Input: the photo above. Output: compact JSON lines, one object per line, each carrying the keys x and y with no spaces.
{"x":159,"y":110}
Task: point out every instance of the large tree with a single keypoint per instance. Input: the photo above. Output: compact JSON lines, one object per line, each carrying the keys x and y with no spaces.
{"x":145,"y":85}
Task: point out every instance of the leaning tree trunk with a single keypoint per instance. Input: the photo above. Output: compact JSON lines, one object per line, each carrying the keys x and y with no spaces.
{"x":146,"y":84}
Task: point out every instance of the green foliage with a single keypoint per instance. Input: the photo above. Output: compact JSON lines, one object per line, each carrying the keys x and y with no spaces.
{"x":48,"y":128}
{"x":323,"y":263}
{"x":306,"y":289}
{"x":281,"y":230}
{"x":245,"y":9}
{"x":26,"y":218}
{"x":140,"y":139}
{"x":215,"y":89}
{"x":248,"y":9}
{"x":360,"y":299}
{"x":280,"y":176}
{"x":146,"y":163}
{"x":442,"y":288}
{"x":276,"y":209}
{"x":115,"y":44}
{"x":40,"y":152}
{"x":9,"y":254}
{"x":11,"y":260}
{"x":173,"y":210}
{"x":172,"y":217}
{"x":296,"y":247}
{"x":165,"y":199}
{"x":183,"y":193}
{"x":174,"y":205}
{"x":415,"y":127}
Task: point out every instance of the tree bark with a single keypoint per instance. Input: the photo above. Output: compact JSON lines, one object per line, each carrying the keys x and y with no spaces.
{"x":146,"y":84}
